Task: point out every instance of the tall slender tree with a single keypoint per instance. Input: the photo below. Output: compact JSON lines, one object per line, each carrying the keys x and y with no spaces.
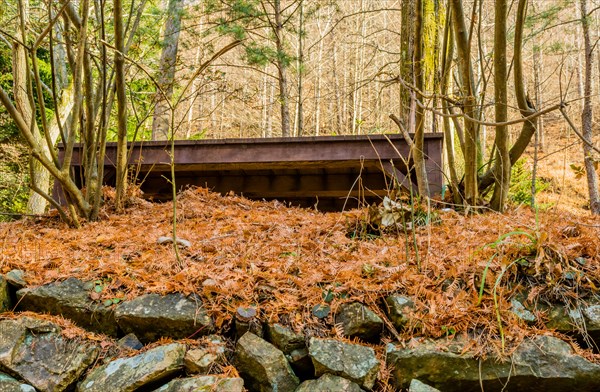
{"x":121,"y":105}
{"x":282,"y":63}
{"x":166,"y":74}
{"x":471,"y":193}
{"x":587,"y":113}
{"x":502,"y":164}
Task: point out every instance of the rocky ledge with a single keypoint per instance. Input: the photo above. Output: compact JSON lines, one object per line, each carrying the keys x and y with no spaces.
{"x":38,"y":355}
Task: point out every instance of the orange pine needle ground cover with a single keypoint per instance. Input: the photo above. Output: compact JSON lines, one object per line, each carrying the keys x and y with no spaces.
{"x":283,"y":260}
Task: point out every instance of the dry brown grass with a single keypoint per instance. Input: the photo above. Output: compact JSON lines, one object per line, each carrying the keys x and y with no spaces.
{"x":283,"y":259}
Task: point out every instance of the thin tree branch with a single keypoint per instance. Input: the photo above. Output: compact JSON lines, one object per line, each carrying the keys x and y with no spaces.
{"x":579,"y":134}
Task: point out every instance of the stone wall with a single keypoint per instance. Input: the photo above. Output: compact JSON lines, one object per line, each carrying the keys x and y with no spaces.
{"x":39,"y":355}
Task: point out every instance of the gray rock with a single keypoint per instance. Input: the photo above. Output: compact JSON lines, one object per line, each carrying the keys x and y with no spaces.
{"x":584,"y":320}
{"x":398,"y":306}
{"x":130,"y":341}
{"x":203,"y":384}
{"x":359,"y":321}
{"x":129,"y":374}
{"x":33,"y":350}
{"x":543,"y":363}
{"x":5,"y":303}
{"x":301,"y":363}
{"x":561,"y":318}
{"x":329,"y":383}
{"x":263,"y":366}
{"x":202,"y":360}
{"x":521,"y":311}
{"x":16,"y":278}
{"x":153,"y":316}
{"x":71,"y":300}
{"x":284,"y":338}
{"x":418,"y":386}
{"x":592,"y":316}
{"x":352,"y":361}
{"x":9,"y":384}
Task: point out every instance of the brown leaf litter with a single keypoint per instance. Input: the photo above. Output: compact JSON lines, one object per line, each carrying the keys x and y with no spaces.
{"x":282,"y":260}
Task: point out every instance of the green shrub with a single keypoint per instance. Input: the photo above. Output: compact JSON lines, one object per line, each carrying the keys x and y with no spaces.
{"x":14,"y":190}
{"x":520,"y":183}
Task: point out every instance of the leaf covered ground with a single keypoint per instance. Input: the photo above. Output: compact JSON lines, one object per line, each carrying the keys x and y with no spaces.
{"x":284,"y":261}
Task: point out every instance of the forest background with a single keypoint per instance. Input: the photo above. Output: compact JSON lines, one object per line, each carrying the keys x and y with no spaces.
{"x":94,"y":71}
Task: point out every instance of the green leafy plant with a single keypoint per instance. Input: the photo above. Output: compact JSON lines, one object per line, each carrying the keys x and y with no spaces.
{"x":112,"y":301}
{"x":332,"y":292}
{"x":288,"y":254}
{"x":14,"y":190}
{"x":448,"y":331}
{"x":199,"y":135}
{"x":520,"y":184}
{"x":529,"y":246}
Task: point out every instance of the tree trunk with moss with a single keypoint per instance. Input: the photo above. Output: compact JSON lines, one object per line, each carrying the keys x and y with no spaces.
{"x":434,"y":20}
{"x":421,"y":25}
{"x":445,"y":82}
{"x":407,"y":55}
{"x":420,"y":61}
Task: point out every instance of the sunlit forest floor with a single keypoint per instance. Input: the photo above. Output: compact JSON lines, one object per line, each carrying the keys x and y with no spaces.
{"x":560,"y":169}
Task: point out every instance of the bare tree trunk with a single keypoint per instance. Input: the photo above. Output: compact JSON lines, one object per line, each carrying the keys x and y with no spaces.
{"x":526,"y":107}
{"x":502,"y":164}
{"x":345,"y":117}
{"x":448,"y":53}
{"x":419,"y":137}
{"x":587,"y":114}
{"x":195,"y":96}
{"x":213,"y":109}
{"x":336,"y":85}
{"x":90,"y":134}
{"x":162,"y":113}
{"x":481,"y":84}
{"x":270,"y":110}
{"x":579,"y":66}
{"x":300,"y":65}
{"x":121,"y":106}
{"x":40,"y":177}
{"x":222,"y":103}
{"x":264,"y":101}
{"x":59,"y":64}
{"x":282,"y":70}
{"x":539,"y":98}
{"x":469,"y":102}
{"x":407,"y":57}
{"x":318,"y":74}
{"x":359,"y":59}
